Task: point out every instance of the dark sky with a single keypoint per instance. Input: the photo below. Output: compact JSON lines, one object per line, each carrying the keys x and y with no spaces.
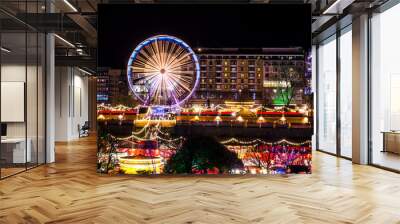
{"x":122,"y":27}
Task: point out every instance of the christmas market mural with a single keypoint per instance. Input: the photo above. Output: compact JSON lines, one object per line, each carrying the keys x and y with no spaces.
{"x":187,"y":112}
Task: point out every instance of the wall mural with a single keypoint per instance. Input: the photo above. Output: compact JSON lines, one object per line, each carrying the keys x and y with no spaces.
{"x":175,"y":109}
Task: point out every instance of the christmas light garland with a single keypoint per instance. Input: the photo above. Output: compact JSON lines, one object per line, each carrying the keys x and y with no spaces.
{"x":255,"y":141}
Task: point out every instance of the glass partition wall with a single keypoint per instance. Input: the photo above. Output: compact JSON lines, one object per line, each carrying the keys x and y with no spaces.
{"x":334,"y":94}
{"x":385,"y":89}
{"x":22,"y":77}
{"x":326,"y":104}
{"x":345,"y":92}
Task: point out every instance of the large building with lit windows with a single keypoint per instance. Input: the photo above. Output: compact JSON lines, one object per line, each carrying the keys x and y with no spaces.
{"x":252,"y":74}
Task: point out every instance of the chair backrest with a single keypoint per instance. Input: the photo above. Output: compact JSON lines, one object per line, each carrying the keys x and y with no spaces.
{"x":86,"y":125}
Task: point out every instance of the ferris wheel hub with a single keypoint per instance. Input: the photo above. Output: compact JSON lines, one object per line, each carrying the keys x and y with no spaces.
{"x":162,"y":71}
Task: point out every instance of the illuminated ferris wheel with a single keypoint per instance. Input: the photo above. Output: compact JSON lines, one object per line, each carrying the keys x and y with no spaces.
{"x":163,"y":70}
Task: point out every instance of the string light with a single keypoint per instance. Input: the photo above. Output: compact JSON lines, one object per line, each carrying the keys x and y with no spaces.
{"x":255,"y":141}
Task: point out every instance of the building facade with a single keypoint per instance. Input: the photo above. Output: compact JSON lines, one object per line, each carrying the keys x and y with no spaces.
{"x":112,"y":88}
{"x":263,"y":75}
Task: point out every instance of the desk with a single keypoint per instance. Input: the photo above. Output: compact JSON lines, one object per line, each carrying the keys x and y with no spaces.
{"x":391,"y":141}
{"x":13,"y":150}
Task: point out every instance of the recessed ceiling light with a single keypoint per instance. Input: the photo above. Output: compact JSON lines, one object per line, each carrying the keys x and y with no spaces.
{"x":5,"y":50}
{"x":70,"y":5}
{"x":84,"y":71}
{"x":64,"y":40}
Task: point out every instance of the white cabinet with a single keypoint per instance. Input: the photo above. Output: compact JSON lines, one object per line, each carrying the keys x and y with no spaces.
{"x":17,"y":147}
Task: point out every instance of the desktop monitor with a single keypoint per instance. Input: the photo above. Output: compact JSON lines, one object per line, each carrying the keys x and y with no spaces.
{"x":3,"y":129}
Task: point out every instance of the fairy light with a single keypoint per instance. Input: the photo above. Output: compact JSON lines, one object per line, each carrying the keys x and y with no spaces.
{"x":240,"y":119}
{"x":197,"y":109}
{"x":258,"y":141}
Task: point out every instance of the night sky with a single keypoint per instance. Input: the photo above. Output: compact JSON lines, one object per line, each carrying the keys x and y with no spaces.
{"x":122,"y":27}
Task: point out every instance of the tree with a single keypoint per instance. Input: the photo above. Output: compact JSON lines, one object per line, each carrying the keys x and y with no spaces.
{"x":202,"y":153}
{"x":259,"y":157}
{"x":286,"y":90}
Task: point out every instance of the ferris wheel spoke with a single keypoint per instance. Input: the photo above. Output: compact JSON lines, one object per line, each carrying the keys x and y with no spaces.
{"x":155,"y":88}
{"x":181,"y":78}
{"x":171,"y":53}
{"x":181,"y":73}
{"x":157,"y":52}
{"x":179,"y":60}
{"x":184,"y":73}
{"x":145,"y":79}
{"x":140,"y":67}
{"x":143,"y":71}
{"x":153,"y":54}
{"x":175,"y":56}
{"x":180,"y":67}
{"x":158,"y":47}
{"x":165,"y":52}
{"x":148,"y":53}
{"x":147,"y":60}
{"x":186,"y":87}
{"x":173,"y":93}
{"x":145,"y":63}
{"x":174,"y":53}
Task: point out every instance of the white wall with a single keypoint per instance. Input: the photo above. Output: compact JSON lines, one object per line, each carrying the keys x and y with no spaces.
{"x":71,"y":102}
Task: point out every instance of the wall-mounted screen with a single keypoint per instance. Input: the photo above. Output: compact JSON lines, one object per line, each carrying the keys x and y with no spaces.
{"x":12,"y":101}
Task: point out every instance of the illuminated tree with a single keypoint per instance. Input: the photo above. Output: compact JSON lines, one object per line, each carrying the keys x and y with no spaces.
{"x":202,"y":154}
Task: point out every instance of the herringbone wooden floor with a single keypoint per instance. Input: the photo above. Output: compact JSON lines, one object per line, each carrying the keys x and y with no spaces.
{"x":70,"y":191}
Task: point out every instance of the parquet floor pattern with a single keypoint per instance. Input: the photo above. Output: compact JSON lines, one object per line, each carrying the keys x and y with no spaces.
{"x":70,"y":191}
